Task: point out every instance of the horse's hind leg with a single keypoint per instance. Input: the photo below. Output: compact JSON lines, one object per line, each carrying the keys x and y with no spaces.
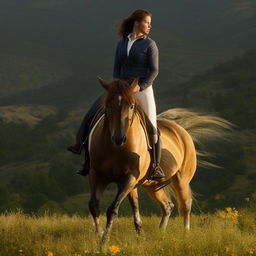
{"x":133,"y":198}
{"x":163,"y":198}
{"x":184,"y":195}
{"x":97,"y":189}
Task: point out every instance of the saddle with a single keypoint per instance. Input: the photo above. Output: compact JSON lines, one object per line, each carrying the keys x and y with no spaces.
{"x":146,"y":124}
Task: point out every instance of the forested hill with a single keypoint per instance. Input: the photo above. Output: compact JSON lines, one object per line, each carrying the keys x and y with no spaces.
{"x":228,"y":89}
{"x":36,"y":171}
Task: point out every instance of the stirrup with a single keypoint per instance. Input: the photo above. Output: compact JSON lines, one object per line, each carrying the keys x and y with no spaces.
{"x":83,"y":171}
{"x":86,"y":167}
{"x":157,"y":172}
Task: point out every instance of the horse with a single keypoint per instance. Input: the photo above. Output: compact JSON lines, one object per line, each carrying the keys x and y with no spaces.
{"x":119,"y":153}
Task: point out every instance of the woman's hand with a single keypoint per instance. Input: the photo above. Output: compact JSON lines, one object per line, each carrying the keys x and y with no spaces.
{"x":136,"y":88}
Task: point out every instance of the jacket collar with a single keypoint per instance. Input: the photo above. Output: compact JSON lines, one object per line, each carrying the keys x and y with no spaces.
{"x":143,"y":36}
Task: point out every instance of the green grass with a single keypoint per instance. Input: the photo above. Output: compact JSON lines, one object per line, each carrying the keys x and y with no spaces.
{"x":226,"y":232}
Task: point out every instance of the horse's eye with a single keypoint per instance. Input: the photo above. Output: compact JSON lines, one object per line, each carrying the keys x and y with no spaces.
{"x":132,"y":106}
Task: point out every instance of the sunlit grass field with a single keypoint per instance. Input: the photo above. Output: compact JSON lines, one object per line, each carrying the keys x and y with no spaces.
{"x":226,"y":232}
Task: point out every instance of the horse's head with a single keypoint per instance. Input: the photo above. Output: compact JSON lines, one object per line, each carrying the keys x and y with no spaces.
{"x":120,"y":107}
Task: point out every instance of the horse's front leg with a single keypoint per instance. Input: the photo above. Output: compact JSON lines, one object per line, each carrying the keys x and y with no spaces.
{"x":97,"y":188}
{"x":124,"y":188}
{"x":133,"y":198}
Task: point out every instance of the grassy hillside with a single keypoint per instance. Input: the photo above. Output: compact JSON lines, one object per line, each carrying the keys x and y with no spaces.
{"x":20,"y":73}
{"x":226,"y":232}
{"x":30,"y":114}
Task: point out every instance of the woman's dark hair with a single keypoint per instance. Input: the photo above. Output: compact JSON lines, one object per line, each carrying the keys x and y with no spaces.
{"x":125,"y":26}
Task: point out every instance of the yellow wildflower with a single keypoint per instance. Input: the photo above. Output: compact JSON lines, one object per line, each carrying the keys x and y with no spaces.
{"x":49,"y":253}
{"x":251,"y":251}
{"x":227,"y":249}
{"x":173,"y":239}
{"x":228,"y":209}
{"x":114,"y":249}
{"x":230,"y":213}
{"x":20,"y":250}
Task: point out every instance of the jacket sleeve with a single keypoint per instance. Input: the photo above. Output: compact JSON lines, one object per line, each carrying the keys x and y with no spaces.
{"x":153,"y":60}
{"x":117,"y":66}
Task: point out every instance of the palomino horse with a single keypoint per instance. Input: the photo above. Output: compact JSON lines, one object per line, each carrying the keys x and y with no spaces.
{"x":119,"y":153}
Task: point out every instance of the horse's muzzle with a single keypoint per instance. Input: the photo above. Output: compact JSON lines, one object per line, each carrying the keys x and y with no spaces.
{"x":118,"y":140}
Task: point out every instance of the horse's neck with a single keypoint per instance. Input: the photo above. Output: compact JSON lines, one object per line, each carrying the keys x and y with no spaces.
{"x":135,"y":129}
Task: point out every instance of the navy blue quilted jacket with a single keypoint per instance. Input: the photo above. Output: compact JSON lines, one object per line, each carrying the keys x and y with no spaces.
{"x":142,"y":62}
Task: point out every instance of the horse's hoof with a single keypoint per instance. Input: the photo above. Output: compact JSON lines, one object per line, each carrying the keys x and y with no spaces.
{"x":104,"y":239}
{"x":100,"y":233}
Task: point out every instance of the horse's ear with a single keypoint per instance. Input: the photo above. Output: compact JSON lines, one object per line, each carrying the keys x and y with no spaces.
{"x":134,"y":85}
{"x":104,"y":84}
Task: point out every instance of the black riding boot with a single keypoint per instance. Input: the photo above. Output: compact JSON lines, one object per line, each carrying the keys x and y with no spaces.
{"x":157,"y":172}
{"x":86,"y":165}
{"x":76,"y":148}
{"x":83,"y":130}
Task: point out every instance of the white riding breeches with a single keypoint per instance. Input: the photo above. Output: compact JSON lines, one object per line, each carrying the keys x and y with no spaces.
{"x":146,"y":100}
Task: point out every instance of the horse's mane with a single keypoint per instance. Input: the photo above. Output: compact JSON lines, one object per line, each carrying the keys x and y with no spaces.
{"x":121,"y":87}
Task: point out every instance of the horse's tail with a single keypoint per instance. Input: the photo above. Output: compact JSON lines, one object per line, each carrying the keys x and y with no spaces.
{"x":201,"y":127}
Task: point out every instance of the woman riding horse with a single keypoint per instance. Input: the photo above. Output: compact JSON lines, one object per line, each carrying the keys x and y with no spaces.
{"x":136,"y":56}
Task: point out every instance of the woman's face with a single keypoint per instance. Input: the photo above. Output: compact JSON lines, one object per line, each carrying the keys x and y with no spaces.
{"x":143,"y":26}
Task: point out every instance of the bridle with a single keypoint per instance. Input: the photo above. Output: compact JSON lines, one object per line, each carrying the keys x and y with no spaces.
{"x":133,"y":113}
{"x":130,"y":118}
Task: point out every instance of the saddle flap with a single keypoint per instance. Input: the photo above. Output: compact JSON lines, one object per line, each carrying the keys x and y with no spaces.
{"x":147,"y":126}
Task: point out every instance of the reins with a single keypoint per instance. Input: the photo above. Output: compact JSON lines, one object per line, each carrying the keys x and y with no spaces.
{"x":133,"y":114}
